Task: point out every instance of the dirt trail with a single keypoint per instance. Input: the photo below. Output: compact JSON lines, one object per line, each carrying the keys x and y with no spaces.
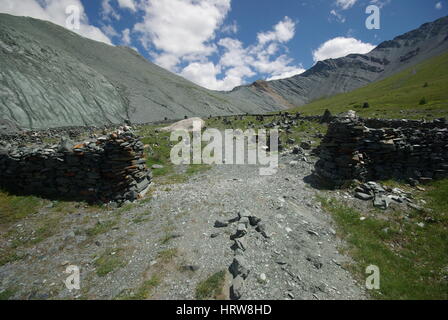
{"x":170,"y":239}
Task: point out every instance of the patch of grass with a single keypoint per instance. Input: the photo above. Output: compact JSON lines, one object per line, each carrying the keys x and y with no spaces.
{"x":69,"y":207}
{"x":64,"y":207}
{"x":158,"y":272}
{"x":124,"y":209}
{"x":437,"y":199}
{"x":196,"y":169}
{"x":109,"y":261}
{"x":46,"y":227}
{"x":168,"y":234}
{"x":212,"y":287}
{"x":8,"y":255}
{"x":142,"y":217}
{"x":167,"y":238}
{"x":302,"y":131}
{"x":143,"y":292}
{"x":398,"y":96}
{"x":168,"y":255}
{"x":146,"y":199}
{"x":14,"y":208}
{"x":413,"y":261}
{"x":305,"y":130}
{"x":159,"y":149}
{"x":159,"y":152}
{"x":101,"y":227}
{"x":7,"y":294}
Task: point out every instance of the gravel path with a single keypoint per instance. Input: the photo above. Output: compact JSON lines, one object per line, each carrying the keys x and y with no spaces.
{"x":299,"y":260}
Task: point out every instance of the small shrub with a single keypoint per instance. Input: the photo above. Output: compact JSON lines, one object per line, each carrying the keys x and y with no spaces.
{"x":212,"y":287}
{"x":423,"y":101}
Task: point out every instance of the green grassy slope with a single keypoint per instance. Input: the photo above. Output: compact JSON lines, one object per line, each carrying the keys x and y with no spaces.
{"x":399,"y":96}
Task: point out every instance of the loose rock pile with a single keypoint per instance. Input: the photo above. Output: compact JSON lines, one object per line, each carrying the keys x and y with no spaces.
{"x":382,"y":197}
{"x":239,"y":268}
{"x":108,"y":168}
{"x":400,"y":149}
{"x":35,"y":136}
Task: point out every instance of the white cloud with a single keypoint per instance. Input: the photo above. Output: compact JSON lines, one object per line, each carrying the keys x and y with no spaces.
{"x":127,"y":4}
{"x":380,"y":3}
{"x":345,"y":4}
{"x":339,"y":17}
{"x":340,"y":47}
{"x":108,"y":12}
{"x":238,"y":62}
{"x":439,"y":5}
{"x":53,"y":11}
{"x":181,"y":27}
{"x":206,"y":74}
{"x":180,"y":35}
{"x":126,"y":37}
{"x":283,"y":32}
{"x":235,"y":54}
{"x":167,"y":61}
{"x":109,"y":31}
{"x":230,"y":28}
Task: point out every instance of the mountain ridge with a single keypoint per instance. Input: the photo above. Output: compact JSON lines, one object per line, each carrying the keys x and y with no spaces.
{"x":389,"y":57}
{"x":52,"y":77}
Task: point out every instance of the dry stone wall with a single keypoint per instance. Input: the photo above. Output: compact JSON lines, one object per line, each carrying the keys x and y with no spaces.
{"x":376,"y":149}
{"x":108,"y":168}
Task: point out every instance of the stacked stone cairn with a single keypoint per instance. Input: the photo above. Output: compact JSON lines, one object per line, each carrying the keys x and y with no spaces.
{"x":376,"y":149}
{"x":240,"y":268}
{"x":110,"y":168}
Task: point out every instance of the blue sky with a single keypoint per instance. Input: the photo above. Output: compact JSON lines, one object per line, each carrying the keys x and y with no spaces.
{"x":220,"y":44}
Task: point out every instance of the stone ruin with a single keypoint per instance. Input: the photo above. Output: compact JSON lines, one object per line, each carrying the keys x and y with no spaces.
{"x":377,"y":149}
{"x":108,"y":168}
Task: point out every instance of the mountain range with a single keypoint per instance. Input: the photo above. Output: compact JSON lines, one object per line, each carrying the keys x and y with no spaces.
{"x":52,"y":77}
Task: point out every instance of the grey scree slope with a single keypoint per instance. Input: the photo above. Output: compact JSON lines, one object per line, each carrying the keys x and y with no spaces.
{"x":51,"y":77}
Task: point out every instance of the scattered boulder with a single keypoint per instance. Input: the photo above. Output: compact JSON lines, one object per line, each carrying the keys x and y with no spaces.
{"x":254,"y":221}
{"x":315,"y":260}
{"x":306,"y":145}
{"x":236,"y":289}
{"x":185,"y":125}
{"x":261,"y":228}
{"x":363,"y":196}
{"x":241,"y":231}
{"x":192,"y":268}
{"x":240,"y":244}
{"x":382,"y":202}
{"x":221,"y":224}
{"x":239,"y":267}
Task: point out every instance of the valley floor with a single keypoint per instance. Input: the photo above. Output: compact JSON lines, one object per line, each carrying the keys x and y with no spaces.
{"x":168,"y":247}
